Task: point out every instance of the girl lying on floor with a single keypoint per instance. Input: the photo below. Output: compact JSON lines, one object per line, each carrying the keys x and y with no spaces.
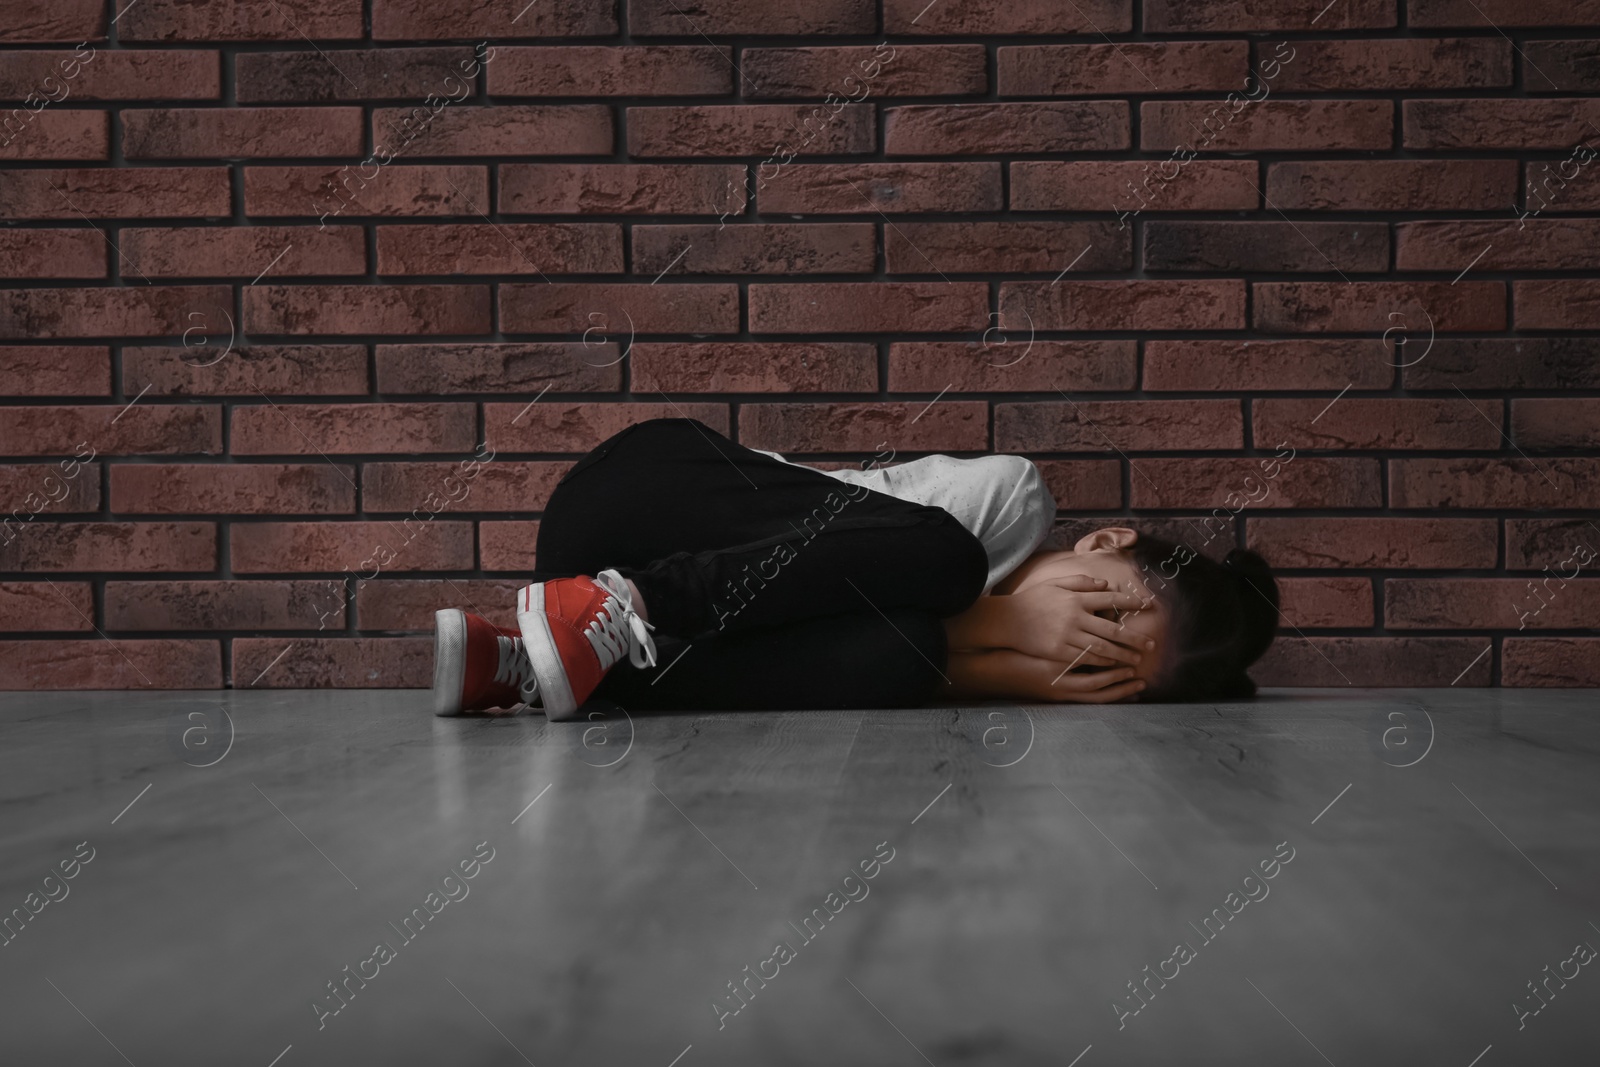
{"x":679,"y":570}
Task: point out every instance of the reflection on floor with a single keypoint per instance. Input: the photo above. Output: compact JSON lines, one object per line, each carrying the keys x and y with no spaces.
{"x":1358,"y":877}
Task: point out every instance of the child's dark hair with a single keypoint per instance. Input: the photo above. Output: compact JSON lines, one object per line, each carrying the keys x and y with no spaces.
{"x":1224,"y":615}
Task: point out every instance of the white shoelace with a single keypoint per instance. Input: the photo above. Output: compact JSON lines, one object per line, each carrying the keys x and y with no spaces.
{"x":618,"y":628}
{"x":516,"y":669}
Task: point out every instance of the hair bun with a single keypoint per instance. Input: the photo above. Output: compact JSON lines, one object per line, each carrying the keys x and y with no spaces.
{"x":1258,"y":604}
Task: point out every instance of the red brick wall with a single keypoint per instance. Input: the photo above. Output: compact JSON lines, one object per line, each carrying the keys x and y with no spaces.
{"x":275,"y":276}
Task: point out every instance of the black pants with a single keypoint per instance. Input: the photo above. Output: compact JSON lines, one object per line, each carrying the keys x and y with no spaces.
{"x":770,"y":586}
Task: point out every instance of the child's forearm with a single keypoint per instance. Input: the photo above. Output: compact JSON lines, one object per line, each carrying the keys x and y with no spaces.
{"x":986,"y":624}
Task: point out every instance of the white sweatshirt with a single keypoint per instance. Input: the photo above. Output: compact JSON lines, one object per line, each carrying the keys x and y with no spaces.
{"x":1001,"y":500}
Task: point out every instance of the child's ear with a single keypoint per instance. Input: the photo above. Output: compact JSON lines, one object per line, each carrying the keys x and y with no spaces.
{"x":1108,"y":539}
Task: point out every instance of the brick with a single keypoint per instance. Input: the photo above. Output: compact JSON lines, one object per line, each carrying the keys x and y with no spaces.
{"x":1014,"y":363}
{"x":665,"y":18}
{"x":1300,"y":482}
{"x":119,"y":664}
{"x":112,"y":430}
{"x":1550,"y":602}
{"x":1326,"y":603}
{"x":243,"y":252}
{"x":436,"y":19}
{"x":1565,"y":422}
{"x":1024,"y":16}
{"x":354,"y":74}
{"x":1256,"y":16}
{"x":113,"y":547}
{"x":756,"y":248}
{"x":348,"y":429}
{"x":1228,"y":366}
{"x":890,"y":188}
{"x":611,"y":70}
{"x":754,"y":367}
{"x":232,"y":489}
{"x":224,"y":20}
{"x":55,"y":370}
{"x":396,"y":190}
{"x":505,"y":129}
{"x":1378,"y":423}
{"x":360,"y":548}
{"x":1398,"y":63}
{"x":277,"y":370}
{"x":1557,"y":304}
{"x":1382,"y":543}
{"x":27,"y":21}
{"x":1211,"y":304}
{"x":1480,"y":124}
{"x":68,"y":486}
{"x":1568,"y":64}
{"x":224,"y":605}
{"x":1529,"y":244}
{"x":1125,"y":425}
{"x":1267,"y":126}
{"x":1493,"y":14}
{"x":41,"y":254}
{"x":1083,"y":484}
{"x":1534,"y":544}
{"x":868,"y":307}
{"x":1115,"y":184}
{"x":366,"y":309}
{"x":552,"y":426}
{"x":1551,"y":187}
{"x":501,"y":248}
{"x":240,"y":133}
{"x":121,"y":192}
{"x":947,"y":426}
{"x":500,"y":485}
{"x":1009,"y":247}
{"x":1506,"y":363}
{"x":910,"y":70}
{"x":408,"y":605}
{"x":34,"y":607}
{"x":333,"y":662}
{"x":562,"y":367}
{"x":751,"y":130}
{"x":508,"y":545}
{"x":55,"y":134}
{"x":1397,"y":662}
{"x":620,"y":188}
{"x":1502,"y":484}
{"x":1407,"y":308}
{"x":112,"y":75}
{"x":607,"y":313}
{"x":1393,"y":184}
{"x":1554,"y":662}
{"x":134,"y":311}
{"x":1317,"y":247}
{"x":1001,"y":129}
{"x":1117,"y":69}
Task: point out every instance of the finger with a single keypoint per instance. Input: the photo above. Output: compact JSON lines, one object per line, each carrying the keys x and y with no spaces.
{"x":1111,"y":599}
{"x":1078,"y":583}
{"x":1116,"y":632}
{"x":1091,"y":659}
{"x":1110,"y":694}
{"x":1084,"y":643}
{"x":1089,"y":681}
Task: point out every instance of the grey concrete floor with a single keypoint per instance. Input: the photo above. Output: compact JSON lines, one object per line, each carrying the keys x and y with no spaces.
{"x":231,"y":854}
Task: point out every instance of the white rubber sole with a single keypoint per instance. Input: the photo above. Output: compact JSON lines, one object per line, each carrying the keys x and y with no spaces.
{"x":555,"y":691}
{"x":449,"y":660}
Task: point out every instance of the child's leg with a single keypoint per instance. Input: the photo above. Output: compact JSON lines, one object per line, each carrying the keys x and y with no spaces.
{"x":857,"y":660}
{"x":720,"y":539}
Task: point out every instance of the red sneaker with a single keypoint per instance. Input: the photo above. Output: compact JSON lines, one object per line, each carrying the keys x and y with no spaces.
{"x":478,"y":665}
{"x":574,"y":630}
